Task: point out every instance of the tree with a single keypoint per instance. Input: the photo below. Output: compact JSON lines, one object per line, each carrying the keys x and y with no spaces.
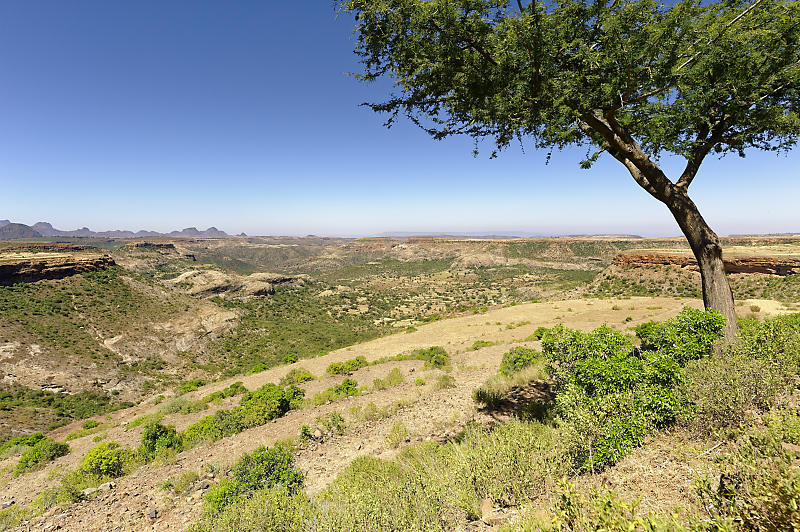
{"x":636,"y":80}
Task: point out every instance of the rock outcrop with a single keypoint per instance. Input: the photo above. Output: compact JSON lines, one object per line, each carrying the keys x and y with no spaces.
{"x":767,"y":265}
{"x":35,"y":269}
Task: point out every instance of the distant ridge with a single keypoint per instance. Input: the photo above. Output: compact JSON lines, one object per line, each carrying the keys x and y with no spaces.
{"x":10,"y":231}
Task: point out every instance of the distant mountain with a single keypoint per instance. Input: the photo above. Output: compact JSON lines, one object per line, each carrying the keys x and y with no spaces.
{"x":11,"y":231}
{"x":47,"y":230}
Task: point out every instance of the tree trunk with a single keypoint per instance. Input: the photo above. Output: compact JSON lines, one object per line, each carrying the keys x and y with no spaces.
{"x":717,"y":293}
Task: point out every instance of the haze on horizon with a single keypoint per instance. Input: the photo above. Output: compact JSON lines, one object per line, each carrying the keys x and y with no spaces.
{"x":241,"y":116}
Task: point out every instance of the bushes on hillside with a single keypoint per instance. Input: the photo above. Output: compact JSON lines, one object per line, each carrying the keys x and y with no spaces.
{"x":43,"y":451}
{"x":255,"y":408}
{"x":346,"y":388}
{"x":517,"y":359}
{"x":237,"y":388}
{"x":157,"y":438}
{"x":19,"y":444}
{"x":107,"y":460}
{"x":296,"y":376}
{"x":347,"y":367}
{"x":262,"y":469}
{"x":688,"y":336}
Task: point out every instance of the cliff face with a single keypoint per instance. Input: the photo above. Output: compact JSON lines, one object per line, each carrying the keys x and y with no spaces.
{"x":767,"y":265}
{"x":35,"y":269}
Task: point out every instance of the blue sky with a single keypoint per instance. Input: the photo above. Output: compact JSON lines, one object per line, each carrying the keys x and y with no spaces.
{"x":162,"y":115}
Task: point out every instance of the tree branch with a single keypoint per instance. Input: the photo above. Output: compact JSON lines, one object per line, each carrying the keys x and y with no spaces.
{"x":486,"y":55}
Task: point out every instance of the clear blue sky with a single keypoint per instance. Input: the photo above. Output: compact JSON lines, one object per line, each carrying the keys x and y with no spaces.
{"x":166,"y":114}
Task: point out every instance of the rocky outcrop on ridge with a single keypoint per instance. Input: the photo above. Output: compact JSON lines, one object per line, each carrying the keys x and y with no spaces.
{"x":35,"y":269}
{"x":766,"y":265}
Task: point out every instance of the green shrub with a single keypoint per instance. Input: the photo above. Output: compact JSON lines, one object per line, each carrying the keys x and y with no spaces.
{"x":18,"y":445}
{"x":434,"y":357}
{"x":479,"y":344}
{"x":398,"y":435}
{"x":190,"y":386}
{"x":688,"y":336}
{"x":107,"y":460}
{"x":445,"y":381}
{"x":267,"y":403}
{"x":347,"y":367}
{"x":43,"y":451}
{"x":262,"y":469}
{"x":157,"y":437}
{"x":393,"y":378}
{"x":90,"y":424}
{"x":564,"y":346}
{"x":268,"y":510}
{"x":296,"y":376}
{"x":347,"y":388}
{"x":183,"y":406}
{"x":419,"y":381}
{"x":256,"y":408}
{"x":333,"y":422}
{"x":237,"y":388}
{"x":518,"y":358}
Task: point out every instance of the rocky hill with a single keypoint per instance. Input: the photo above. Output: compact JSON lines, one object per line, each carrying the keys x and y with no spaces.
{"x":13,"y":231}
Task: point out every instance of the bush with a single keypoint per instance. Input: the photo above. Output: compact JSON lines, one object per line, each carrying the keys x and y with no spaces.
{"x":479,"y":344}
{"x":43,"y":451}
{"x":107,"y":460}
{"x":688,"y":336}
{"x":346,"y":388}
{"x":518,"y":358}
{"x":393,"y":378}
{"x":445,"y":381}
{"x":564,"y":346}
{"x":267,"y":510}
{"x":262,"y":469}
{"x":267,"y":403}
{"x":90,"y":424}
{"x":419,"y":381}
{"x":157,"y":437}
{"x":19,"y":444}
{"x":237,"y":388}
{"x":256,"y":408}
{"x":296,"y":376}
{"x":347,"y":367}
{"x":434,"y":357}
{"x":190,"y":386}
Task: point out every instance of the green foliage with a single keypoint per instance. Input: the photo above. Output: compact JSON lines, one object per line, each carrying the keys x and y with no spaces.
{"x":564,"y":346}
{"x":19,"y":444}
{"x":90,"y":424}
{"x":445,"y":381}
{"x":688,"y":336}
{"x":393,"y":378}
{"x":346,"y":388}
{"x":419,"y":382}
{"x":190,"y":386}
{"x":268,"y":510}
{"x":479,"y":344}
{"x":398,"y":435}
{"x":183,"y":406}
{"x":434,"y":357}
{"x":347,"y":367}
{"x":262,"y":469}
{"x":107,"y":460}
{"x":518,"y":358}
{"x":157,"y":437}
{"x":726,"y":390}
{"x":488,"y":69}
{"x":66,"y":407}
{"x":43,"y":451}
{"x":332,"y":422}
{"x":237,"y":388}
{"x":255,"y":408}
{"x":296,"y":376}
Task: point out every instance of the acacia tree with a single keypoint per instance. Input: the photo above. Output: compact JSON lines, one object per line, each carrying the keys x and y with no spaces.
{"x":635,"y":80}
